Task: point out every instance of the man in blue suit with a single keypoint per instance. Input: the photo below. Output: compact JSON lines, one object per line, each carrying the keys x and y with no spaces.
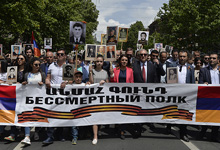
{"x":210,"y":75}
{"x":185,"y":75}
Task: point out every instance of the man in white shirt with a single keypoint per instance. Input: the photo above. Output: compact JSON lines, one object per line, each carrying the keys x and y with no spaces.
{"x":55,"y":76}
{"x":185,"y":75}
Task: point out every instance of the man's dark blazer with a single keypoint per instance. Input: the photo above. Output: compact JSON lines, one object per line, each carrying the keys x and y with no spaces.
{"x":151,"y":73}
{"x":190,"y":77}
{"x":82,"y":40}
{"x":43,"y":67}
{"x":109,"y":56}
{"x":160,"y":71}
{"x":205,"y":76}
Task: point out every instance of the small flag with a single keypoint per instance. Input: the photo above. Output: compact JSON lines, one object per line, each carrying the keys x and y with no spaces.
{"x":7,"y":104}
{"x":36,"y":49}
{"x":208,"y":104}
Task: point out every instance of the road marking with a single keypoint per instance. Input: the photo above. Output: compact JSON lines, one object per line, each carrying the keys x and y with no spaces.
{"x":20,"y":146}
{"x":189,"y":144}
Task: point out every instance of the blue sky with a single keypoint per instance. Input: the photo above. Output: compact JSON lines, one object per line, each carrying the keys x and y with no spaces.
{"x":123,"y":13}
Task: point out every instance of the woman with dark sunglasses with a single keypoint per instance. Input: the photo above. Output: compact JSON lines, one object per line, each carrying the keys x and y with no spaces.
{"x":33,"y":76}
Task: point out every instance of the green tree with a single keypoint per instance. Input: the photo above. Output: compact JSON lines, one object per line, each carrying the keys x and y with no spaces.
{"x":184,"y":23}
{"x":47,"y":18}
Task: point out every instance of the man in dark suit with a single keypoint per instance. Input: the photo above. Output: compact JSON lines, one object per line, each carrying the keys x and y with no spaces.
{"x":77,"y":37}
{"x":49,"y":57}
{"x":185,"y":75}
{"x":210,"y":75}
{"x":68,"y":72}
{"x":158,"y":65}
{"x":144,"y":72}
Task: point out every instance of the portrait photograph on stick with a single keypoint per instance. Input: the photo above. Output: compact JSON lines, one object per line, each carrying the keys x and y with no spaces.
{"x":77,"y":32}
{"x":172,"y":75}
{"x":100,"y":50}
{"x":143,"y":37}
{"x":112,"y":33}
{"x":12,"y":74}
{"x":110,"y":53}
{"x":47,"y":43}
{"x":68,"y":72}
{"x":123,"y":34}
{"x":90,"y":51}
{"x":26,"y":45}
{"x":158,"y":46}
{"x":103,"y":39}
{"x":15,"y":50}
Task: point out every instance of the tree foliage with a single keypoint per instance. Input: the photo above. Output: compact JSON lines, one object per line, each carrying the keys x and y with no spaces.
{"x":47,"y":18}
{"x":183,"y":23}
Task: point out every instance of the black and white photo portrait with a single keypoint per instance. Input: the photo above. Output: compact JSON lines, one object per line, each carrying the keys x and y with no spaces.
{"x":90,"y":52}
{"x":172,"y":75}
{"x":143,"y":37}
{"x":68,"y":71}
{"x":47,"y":43}
{"x":77,"y":32}
{"x":12,"y":74}
{"x":123,"y":35}
{"x":112,"y":35}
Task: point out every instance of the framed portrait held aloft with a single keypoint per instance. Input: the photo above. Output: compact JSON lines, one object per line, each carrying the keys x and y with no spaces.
{"x":27,"y":45}
{"x":103,"y":39}
{"x":172,"y":75}
{"x":12,"y":74}
{"x":112,"y":33}
{"x":15,"y":50}
{"x":110,"y":53}
{"x":100,"y":50}
{"x":77,"y":33}
{"x":158,"y":46}
{"x":68,"y":72}
{"x":123,"y":34}
{"x":47,"y":43}
{"x":90,"y":51}
{"x":143,"y":37}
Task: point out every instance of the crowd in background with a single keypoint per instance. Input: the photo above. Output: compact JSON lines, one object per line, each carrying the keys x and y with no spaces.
{"x":129,"y":67}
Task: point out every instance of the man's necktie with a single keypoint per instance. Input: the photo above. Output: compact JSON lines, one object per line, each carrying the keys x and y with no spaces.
{"x":143,"y":73}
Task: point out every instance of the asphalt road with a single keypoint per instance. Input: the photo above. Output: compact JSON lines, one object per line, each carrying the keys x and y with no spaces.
{"x":153,"y":139}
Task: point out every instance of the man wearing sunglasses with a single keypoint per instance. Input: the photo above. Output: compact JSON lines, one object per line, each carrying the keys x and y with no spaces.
{"x":210,"y":75}
{"x":205,"y":60}
{"x":55,"y":76}
{"x":185,"y":75}
{"x":158,"y":65}
{"x":144,"y":72}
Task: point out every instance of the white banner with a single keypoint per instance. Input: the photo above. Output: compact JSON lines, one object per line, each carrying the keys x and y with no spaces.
{"x":113,"y":103}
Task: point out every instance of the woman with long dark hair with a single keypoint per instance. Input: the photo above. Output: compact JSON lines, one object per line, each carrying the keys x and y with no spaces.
{"x":33,"y":76}
{"x":97,"y":75}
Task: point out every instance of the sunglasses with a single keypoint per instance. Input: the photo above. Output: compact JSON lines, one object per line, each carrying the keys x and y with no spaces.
{"x":36,"y":65}
{"x":99,"y":61}
{"x":143,"y":54}
{"x":206,"y":58}
{"x":155,"y":56}
{"x":212,"y":58}
{"x":20,"y":58}
{"x":60,"y":54}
